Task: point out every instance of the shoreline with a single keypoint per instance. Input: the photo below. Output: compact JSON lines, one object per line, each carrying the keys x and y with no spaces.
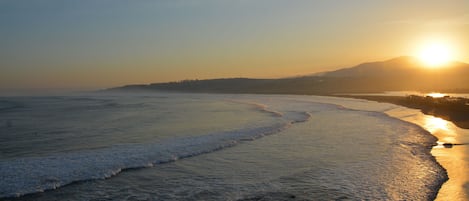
{"x":454,"y":159}
{"x":446,"y":108}
{"x":428,"y":151}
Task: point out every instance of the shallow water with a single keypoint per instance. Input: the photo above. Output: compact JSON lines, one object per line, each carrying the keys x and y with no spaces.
{"x":212,"y":147}
{"x":407,"y":93}
{"x":455,"y":159}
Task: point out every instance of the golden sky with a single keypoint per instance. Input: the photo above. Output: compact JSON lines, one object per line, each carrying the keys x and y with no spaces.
{"x":90,"y":44}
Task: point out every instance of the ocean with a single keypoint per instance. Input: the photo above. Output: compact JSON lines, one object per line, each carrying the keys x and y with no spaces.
{"x":170,"y":146}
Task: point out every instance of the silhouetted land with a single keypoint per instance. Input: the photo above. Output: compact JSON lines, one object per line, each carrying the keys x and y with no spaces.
{"x":398,"y":74}
{"x":452,"y":109}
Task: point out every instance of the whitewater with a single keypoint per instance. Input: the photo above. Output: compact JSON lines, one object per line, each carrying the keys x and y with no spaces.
{"x":170,"y":146}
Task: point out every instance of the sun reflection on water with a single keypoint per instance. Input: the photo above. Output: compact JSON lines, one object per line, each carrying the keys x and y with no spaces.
{"x":434,"y":124}
{"x":455,"y":159}
{"x":440,"y":128}
{"x":436,"y":95}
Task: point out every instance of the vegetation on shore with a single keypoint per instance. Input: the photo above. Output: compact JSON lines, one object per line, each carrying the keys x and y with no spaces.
{"x":452,"y":109}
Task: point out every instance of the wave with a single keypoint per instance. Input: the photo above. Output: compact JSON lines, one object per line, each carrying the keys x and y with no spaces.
{"x":29,"y":175}
{"x":419,"y":143}
{"x":259,"y":107}
{"x":6,"y":105}
{"x":36,"y":174}
{"x":298,"y":117}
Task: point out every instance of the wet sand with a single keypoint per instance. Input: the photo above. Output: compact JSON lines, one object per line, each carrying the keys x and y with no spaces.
{"x":452,"y":151}
{"x":458,"y":113}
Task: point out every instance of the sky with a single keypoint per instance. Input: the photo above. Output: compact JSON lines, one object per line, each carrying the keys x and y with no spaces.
{"x":94,"y":44}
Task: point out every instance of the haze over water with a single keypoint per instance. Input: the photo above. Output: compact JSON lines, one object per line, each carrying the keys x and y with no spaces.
{"x":212,"y":147}
{"x":155,"y":143}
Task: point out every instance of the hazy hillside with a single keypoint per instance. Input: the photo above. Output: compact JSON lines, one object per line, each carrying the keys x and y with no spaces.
{"x":402,"y":73}
{"x":405,"y":73}
{"x":400,"y":66}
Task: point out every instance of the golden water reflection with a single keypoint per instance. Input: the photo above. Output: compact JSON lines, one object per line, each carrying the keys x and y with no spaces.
{"x":455,"y":162}
{"x":441,"y":128}
{"x":436,"y":95}
{"x":455,"y":159}
{"x":433,"y":124}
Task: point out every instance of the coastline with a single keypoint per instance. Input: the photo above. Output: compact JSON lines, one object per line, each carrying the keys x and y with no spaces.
{"x":456,"y":113}
{"x":424,"y":150}
{"x":450,"y":134}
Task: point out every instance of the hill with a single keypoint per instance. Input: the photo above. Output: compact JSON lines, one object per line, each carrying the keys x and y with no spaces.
{"x":398,"y":74}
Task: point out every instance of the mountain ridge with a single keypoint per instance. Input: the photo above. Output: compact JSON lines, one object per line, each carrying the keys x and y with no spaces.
{"x":396,"y":74}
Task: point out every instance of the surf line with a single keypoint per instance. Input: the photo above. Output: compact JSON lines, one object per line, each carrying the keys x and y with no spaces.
{"x":450,"y":145}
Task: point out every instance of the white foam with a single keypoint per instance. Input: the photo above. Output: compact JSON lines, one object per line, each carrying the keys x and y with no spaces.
{"x":28,"y":175}
{"x":409,"y":142}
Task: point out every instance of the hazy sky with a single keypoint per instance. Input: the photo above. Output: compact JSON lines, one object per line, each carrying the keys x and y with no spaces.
{"x":81,"y":44}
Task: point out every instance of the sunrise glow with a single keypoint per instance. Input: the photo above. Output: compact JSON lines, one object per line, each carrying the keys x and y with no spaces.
{"x":436,"y":95}
{"x":435,"y":54}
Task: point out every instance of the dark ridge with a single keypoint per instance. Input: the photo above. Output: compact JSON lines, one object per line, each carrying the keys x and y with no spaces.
{"x":398,"y":74}
{"x":452,"y":109}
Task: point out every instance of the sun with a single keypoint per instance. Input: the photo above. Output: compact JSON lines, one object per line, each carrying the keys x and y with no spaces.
{"x":435,"y":54}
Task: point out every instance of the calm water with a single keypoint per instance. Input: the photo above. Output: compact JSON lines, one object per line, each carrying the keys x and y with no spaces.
{"x":211,"y":147}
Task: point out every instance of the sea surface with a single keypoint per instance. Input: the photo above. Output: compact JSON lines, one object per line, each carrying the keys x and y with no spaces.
{"x":452,"y":151}
{"x":169,"y":146}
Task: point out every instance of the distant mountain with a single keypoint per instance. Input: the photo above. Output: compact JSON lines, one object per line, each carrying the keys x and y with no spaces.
{"x":400,"y":66}
{"x":395,"y":67}
{"x":398,"y":74}
{"x":406,"y":73}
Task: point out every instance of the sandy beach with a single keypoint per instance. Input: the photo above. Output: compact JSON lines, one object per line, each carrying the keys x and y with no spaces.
{"x":452,"y":151}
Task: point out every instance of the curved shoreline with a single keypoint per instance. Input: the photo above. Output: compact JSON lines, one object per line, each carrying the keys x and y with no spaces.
{"x":423,"y":150}
{"x":428,"y":151}
{"x":455,"y":110}
{"x":451,"y":158}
